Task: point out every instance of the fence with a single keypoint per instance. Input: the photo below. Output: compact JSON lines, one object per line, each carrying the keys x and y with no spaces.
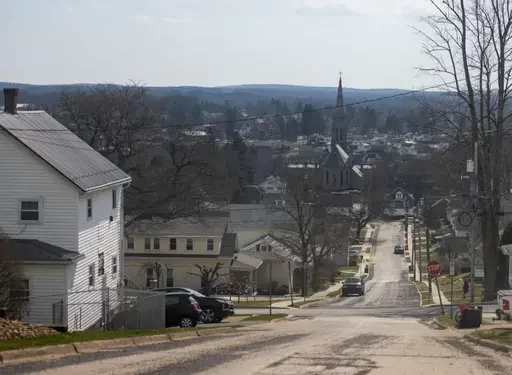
{"x":97,"y":309}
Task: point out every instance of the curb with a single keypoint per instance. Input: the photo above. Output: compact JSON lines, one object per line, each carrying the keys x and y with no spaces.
{"x":488,"y":343}
{"x":318,"y":303}
{"x":39,"y":353}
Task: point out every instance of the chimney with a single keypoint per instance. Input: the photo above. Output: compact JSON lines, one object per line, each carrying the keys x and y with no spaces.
{"x":10,"y":100}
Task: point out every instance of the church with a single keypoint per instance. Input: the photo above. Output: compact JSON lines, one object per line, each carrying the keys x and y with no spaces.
{"x":338,"y":170}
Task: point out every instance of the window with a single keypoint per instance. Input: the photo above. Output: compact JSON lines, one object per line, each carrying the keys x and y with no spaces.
{"x":190,"y":244}
{"x":169,"y":281}
{"x":19,"y":289}
{"x":172,"y":300}
{"x":147,"y":243}
{"x":333,"y":179}
{"x":89,"y":208}
{"x":131,"y":243}
{"x":91,"y":275}
{"x":156,"y":243}
{"x":209,"y":244}
{"x":258,"y":247}
{"x":149,"y":277}
{"x":101,"y":264}
{"x":114,"y":265}
{"x":341,"y":178}
{"x":114,"y":199}
{"x":29,"y":210}
{"x":173,"y":245}
{"x":263,"y":247}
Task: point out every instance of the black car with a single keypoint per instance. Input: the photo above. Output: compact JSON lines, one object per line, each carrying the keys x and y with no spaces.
{"x":399,"y":249}
{"x":352,"y":285}
{"x":181,"y":309}
{"x":214,"y":309}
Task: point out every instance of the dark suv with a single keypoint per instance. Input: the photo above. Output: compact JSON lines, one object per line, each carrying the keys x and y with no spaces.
{"x":399,"y":249}
{"x":214,"y":309}
{"x":181,"y":309}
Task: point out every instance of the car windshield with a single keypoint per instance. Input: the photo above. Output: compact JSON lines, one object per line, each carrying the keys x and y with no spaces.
{"x":352,"y":281}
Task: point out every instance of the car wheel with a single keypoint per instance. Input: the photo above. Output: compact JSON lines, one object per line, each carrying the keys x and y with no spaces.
{"x":208,"y":315}
{"x":186,"y":322}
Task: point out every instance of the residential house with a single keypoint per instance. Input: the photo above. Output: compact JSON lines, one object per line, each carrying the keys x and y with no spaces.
{"x":62,"y":211}
{"x":163,"y":253}
{"x":396,"y":202}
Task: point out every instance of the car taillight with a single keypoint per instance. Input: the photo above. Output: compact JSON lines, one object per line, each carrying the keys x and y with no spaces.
{"x":506,"y":304}
{"x":193,"y":305}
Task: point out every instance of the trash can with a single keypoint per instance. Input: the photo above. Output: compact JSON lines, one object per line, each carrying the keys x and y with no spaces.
{"x":469,"y":316}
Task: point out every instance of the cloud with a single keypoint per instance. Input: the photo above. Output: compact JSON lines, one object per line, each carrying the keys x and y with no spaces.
{"x":329,"y":8}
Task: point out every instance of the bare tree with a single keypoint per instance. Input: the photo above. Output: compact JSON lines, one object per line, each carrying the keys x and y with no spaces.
{"x":371,"y":203}
{"x":306,"y":230}
{"x":157,"y":270}
{"x":208,"y":275}
{"x":11,"y":304}
{"x":112,"y":119}
{"x":188,"y":178}
{"x":469,"y":42}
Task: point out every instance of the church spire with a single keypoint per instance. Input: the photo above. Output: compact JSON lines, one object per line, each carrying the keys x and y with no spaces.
{"x":339,"y":100}
{"x":339,"y":130}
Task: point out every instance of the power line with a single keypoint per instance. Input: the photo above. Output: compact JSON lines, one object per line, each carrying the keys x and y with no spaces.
{"x":263,"y":117}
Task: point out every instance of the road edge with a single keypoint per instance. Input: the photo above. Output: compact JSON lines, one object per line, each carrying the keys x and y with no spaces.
{"x":488,"y":343}
{"x":43,"y":352}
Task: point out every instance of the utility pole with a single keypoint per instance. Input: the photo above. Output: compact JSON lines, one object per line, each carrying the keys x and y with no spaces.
{"x":419,"y":251}
{"x":427,"y":235}
{"x":474,"y":231}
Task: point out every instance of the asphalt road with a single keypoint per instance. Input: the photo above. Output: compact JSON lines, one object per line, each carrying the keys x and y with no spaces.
{"x":354,"y":345}
{"x":390,"y":285}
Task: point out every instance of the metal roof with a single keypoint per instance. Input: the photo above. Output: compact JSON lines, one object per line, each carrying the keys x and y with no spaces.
{"x":336,"y":158}
{"x":63,"y":150}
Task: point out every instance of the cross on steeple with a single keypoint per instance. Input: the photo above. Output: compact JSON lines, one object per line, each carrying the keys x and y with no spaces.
{"x":341,"y":73}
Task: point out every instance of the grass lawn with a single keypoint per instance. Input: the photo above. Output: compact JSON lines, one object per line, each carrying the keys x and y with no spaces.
{"x":334,"y":293}
{"x":501,"y":335}
{"x":68,"y":338}
{"x":458,"y":282}
{"x":257,"y":303}
{"x":263,"y":317}
{"x":301,"y":302}
{"x":445,"y":319}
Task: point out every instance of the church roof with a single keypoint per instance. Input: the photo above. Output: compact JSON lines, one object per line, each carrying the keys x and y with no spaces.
{"x":336,"y":158}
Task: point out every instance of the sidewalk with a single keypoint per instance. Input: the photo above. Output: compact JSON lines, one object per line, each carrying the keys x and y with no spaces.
{"x":435,"y":294}
{"x":335,"y":287}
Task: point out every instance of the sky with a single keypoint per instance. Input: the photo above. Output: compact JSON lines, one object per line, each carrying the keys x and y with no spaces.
{"x":214,"y":42}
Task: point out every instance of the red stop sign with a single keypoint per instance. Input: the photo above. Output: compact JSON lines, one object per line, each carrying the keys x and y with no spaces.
{"x":434,"y":268}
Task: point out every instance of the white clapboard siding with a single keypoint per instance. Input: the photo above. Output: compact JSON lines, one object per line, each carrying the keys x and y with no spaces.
{"x":95,"y":236}
{"x":46,"y":286}
{"x":24,"y":175}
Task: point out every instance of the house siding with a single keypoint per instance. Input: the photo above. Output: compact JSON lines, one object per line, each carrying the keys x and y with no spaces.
{"x":47,"y":287}
{"x":135,"y":270}
{"x":200,"y":244}
{"x":96,"y":235}
{"x":24,"y":175}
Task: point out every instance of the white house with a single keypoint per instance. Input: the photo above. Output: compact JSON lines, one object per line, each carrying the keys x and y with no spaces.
{"x":62,"y":211}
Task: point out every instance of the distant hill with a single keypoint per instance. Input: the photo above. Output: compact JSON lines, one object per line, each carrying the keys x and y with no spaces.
{"x":239,"y":94}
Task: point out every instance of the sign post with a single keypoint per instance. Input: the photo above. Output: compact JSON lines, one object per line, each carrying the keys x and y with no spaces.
{"x":452,"y":274}
{"x":434,"y":270}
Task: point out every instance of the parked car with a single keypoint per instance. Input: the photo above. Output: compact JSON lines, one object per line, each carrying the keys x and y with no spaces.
{"x":181,"y":309}
{"x":352,"y":285}
{"x":214,"y":309}
{"x":399,"y":249}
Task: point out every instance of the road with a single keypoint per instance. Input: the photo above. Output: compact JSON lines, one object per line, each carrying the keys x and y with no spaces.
{"x":383,"y":332}
{"x":390,"y":285}
{"x":354,"y":345}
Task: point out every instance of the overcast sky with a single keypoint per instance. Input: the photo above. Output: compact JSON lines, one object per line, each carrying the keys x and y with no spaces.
{"x":213,"y":42}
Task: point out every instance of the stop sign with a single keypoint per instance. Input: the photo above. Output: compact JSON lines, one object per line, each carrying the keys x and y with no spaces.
{"x":434,"y":268}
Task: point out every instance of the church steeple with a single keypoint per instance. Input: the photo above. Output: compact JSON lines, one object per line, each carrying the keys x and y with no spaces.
{"x":339,"y":128}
